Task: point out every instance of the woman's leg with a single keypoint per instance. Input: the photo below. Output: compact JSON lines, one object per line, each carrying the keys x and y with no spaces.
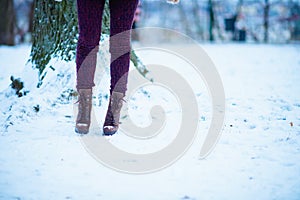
{"x":89,"y":20}
{"x":121,"y":15}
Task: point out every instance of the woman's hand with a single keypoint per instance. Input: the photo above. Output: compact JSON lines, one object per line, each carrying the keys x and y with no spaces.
{"x":173,"y":1}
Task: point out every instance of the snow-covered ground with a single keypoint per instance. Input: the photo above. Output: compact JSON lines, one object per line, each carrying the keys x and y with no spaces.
{"x":257,"y":156}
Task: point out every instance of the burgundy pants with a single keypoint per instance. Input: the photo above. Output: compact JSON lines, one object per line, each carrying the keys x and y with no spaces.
{"x":89,"y":19}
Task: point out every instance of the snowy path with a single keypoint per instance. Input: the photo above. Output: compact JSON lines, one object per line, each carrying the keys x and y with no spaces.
{"x":257,"y":156}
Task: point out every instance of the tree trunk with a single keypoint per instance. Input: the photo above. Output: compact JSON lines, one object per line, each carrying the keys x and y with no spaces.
{"x":184,"y":17}
{"x":211,"y":19}
{"x":197,"y":21}
{"x":7,"y":22}
{"x":266,"y":20}
{"x":31,"y":17}
{"x":294,"y":22}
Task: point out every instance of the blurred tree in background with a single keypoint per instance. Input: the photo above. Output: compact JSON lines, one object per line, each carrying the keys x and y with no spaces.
{"x":211,"y":19}
{"x":7,"y":22}
{"x":294,"y":17}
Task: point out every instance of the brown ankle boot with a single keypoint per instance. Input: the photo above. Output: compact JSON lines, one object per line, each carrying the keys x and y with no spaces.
{"x":111,"y":123}
{"x":83,"y":120}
